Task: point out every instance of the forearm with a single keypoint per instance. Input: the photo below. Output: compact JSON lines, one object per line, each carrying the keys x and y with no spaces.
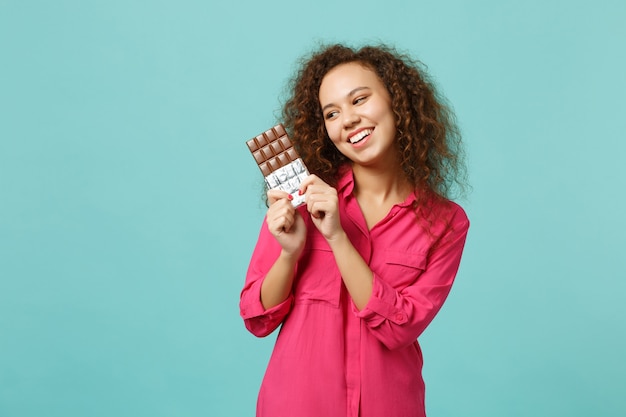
{"x":278,"y":281}
{"x":356,"y":274}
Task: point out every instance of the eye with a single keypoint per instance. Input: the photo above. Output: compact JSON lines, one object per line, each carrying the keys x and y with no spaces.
{"x":330,"y":115}
{"x":359,"y":100}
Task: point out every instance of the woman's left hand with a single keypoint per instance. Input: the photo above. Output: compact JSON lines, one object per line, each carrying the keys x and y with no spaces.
{"x":323,"y":205}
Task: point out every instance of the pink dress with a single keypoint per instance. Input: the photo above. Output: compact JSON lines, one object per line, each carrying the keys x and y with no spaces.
{"x":332,"y":360}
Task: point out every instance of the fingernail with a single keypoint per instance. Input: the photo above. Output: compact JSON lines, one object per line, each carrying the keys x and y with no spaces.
{"x":299,"y":192}
{"x":290,"y":197}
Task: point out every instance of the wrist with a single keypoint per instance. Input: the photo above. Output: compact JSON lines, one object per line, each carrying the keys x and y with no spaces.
{"x":289,"y":256}
{"x":338,"y":240}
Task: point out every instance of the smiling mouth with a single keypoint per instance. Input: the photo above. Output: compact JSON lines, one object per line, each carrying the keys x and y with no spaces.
{"x":360,"y":136}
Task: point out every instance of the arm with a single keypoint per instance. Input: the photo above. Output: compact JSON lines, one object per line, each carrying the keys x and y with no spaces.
{"x":266,"y":297}
{"x":257,"y":319}
{"x":322,"y":203}
{"x":398,"y":317}
{"x":356,"y":274}
{"x":395,"y":317}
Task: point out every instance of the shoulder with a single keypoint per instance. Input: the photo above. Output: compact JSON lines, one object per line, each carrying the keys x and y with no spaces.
{"x":444,"y":217}
{"x":458,"y":214}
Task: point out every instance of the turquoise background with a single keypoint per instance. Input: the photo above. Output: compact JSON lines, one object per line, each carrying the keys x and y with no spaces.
{"x":129,"y":205}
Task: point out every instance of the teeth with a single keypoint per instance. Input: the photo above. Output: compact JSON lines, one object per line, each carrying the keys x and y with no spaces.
{"x":359,"y":136}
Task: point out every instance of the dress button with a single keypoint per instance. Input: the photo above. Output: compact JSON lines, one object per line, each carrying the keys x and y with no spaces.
{"x":399,"y":317}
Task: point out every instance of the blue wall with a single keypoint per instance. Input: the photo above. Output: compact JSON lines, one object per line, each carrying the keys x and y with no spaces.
{"x":129,"y":204}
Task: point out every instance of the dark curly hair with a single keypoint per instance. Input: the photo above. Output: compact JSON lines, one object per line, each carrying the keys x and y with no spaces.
{"x":428,"y":139}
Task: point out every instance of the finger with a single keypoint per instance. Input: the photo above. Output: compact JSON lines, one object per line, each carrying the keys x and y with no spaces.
{"x":280,"y":223}
{"x":281,"y":208}
{"x":311,"y":179}
{"x":320,"y":204}
{"x":317,"y":205}
{"x":286,"y":225}
{"x":319,"y":189}
{"x":274,"y":195}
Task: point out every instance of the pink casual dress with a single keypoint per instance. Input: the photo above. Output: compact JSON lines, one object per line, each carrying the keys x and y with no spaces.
{"x":332,"y":360}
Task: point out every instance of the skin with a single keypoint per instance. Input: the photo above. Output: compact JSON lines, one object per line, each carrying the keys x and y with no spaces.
{"x":352,"y":99}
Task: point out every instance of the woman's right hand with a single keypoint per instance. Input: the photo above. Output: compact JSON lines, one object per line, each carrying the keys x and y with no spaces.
{"x":285,"y":223}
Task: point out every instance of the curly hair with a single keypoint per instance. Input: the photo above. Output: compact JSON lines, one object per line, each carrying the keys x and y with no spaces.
{"x":428,"y":139}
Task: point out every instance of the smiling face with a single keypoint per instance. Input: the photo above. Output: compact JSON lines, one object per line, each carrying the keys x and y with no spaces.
{"x":357,"y":112}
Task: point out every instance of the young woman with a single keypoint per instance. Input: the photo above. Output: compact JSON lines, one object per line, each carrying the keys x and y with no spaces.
{"x":357,"y":273}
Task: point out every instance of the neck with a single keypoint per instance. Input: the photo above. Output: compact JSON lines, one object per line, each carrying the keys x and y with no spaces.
{"x":380,"y":185}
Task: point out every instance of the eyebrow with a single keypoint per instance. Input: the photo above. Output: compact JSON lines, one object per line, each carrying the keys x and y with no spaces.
{"x":350,"y":94}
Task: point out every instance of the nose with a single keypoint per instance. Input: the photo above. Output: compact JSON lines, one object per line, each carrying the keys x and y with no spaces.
{"x":350,"y":118}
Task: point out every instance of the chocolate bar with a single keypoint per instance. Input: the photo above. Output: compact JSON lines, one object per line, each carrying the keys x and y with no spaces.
{"x":279,"y":162}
